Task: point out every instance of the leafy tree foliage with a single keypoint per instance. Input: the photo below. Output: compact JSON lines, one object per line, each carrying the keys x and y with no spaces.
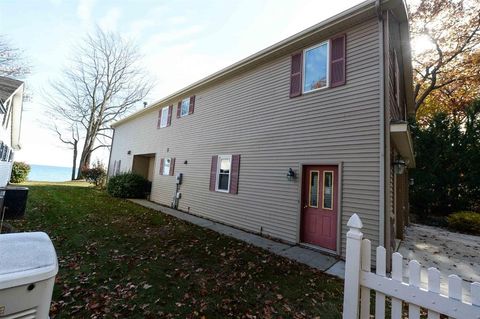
{"x":465,"y":222}
{"x":448,"y":172}
{"x":12,"y":62}
{"x":445,"y":72}
{"x":95,"y":175}
{"x":20,"y":172}
{"x":128,"y":185}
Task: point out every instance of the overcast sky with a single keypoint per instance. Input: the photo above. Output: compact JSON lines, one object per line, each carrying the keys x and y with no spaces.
{"x":182,"y":41}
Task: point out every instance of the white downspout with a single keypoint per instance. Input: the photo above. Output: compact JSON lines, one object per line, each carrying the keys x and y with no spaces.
{"x":381,"y":216}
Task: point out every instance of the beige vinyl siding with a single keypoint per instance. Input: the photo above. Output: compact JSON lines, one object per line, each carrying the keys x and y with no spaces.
{"x":252,"y":115}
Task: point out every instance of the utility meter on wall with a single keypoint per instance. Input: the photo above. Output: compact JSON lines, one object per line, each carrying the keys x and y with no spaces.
{"x":179,"y":178}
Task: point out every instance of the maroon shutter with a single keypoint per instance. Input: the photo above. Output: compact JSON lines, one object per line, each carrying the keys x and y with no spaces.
{"x":192,"y":105}
{"x":234,"y":174}
{"x":161,"y":166}
{"x":213,"y":173}
{"x":296,"y":75}
{"x":159,"y":118}
{"x":170,"y":110}
{"x":337,"y":60}
{"x":172,"y":166}
{"x":179,"y":108}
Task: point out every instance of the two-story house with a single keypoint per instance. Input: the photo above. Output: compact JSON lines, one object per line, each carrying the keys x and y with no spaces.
{"x":293,"y":140}
{"x":11,"y":104}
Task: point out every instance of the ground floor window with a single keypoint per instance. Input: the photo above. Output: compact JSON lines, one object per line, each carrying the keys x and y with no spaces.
{"x":223,"y":173}
{"x":166,"y":166}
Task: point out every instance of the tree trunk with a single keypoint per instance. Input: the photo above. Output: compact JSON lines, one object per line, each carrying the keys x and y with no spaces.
{"x":81,"y":164}
{"x":84,"y":162}
{"x":74,"y":164}
{"x":84,"y":157}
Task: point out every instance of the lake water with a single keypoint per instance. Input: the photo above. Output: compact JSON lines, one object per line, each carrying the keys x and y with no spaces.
{"x":46,"y":173}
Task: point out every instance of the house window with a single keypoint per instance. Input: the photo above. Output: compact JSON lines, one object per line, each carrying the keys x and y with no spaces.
{"x":166,"y":166}
{"x":315,"y":68}
{"x":164,"y":119}
{"x":5,"y":154}
{"x":313,"y":195}
{"x":223,"y":173}
{"x":327,"y":190}
{"x":185,"y":107}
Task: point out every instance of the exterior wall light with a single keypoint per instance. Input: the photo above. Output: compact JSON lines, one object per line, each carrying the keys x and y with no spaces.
{"x":399,"y":166}
{"x":290,"y":174}
{"x":129,"y":152}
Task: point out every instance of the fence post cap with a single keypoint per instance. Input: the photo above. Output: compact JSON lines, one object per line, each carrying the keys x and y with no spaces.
{"x":355,"y":222}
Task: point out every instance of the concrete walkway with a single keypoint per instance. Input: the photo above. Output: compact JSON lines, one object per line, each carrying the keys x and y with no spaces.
{"x":309,"y":257}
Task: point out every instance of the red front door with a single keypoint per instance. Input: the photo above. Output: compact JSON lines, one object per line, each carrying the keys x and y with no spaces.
{"x":319,"y":202}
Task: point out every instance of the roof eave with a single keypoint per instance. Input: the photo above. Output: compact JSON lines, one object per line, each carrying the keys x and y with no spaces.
{"x":366,"y":8}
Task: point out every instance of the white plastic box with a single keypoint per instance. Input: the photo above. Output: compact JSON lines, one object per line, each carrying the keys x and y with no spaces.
{"x":28,"y":266}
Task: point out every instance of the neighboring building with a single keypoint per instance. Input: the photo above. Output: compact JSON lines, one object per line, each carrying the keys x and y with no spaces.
{"x":327,"y":107}
{"x":11,"y":104}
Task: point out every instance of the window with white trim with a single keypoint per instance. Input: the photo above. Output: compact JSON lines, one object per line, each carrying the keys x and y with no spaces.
{"x":224,"y":169}
{"x":315,"y":67}
{"x":166,"y":166}
{"x":185,"y":107}
{"x":327,"y":190}
{"x":313,"y":194}
{"x":164,"y":119}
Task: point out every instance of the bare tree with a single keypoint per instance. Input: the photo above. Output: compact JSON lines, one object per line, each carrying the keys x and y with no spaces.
{"x":12,"y":61}
{"x":104,"y":82}
{"x":71,"y":141}
{"x":453,"y":29}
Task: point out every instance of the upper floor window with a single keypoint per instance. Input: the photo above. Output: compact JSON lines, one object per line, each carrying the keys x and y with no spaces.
{"x":315,"y":66}
{"x":319,"y":66}
{"x":164,"y":117}
{"x":185,"y":107}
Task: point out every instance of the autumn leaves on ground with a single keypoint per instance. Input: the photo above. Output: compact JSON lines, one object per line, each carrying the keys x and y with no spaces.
{"x":120,"y":260}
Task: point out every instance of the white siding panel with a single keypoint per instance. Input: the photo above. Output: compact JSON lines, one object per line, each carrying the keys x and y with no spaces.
{"x":5,"y":172}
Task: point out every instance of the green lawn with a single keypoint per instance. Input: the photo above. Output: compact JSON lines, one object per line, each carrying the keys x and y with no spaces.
{"x":120,"y":260}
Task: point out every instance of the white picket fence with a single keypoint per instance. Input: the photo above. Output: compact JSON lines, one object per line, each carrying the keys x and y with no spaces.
{"x":359,"y":281}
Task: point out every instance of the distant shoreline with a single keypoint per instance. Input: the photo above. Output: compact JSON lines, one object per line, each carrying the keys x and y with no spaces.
{"x":48,"y":173}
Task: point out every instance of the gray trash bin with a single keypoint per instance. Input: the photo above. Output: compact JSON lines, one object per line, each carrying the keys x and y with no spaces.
{"x":28,"y":266}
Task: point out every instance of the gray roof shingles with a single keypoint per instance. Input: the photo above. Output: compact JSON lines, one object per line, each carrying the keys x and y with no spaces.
{"x":7,"y":87}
